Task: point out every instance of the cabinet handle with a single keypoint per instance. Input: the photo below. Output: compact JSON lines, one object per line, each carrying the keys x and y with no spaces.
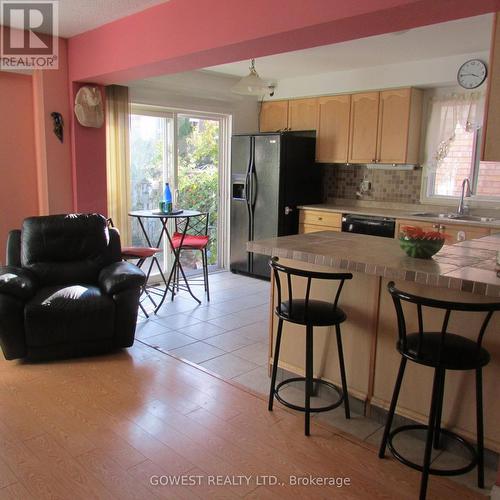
{"x":320,"y":218}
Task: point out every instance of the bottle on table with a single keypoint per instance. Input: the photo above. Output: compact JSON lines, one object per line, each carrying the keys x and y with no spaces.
{"x":167,"y":197}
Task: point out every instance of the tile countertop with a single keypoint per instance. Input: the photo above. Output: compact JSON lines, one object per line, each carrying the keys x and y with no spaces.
{"x":400,"y":213}
{"x":469,"y":266}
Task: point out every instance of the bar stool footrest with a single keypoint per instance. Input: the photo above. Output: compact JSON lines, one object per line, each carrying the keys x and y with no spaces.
{"x":434,"y":471}
{"x":332,"y":406}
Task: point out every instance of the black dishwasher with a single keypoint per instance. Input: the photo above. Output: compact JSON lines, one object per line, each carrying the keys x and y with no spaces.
{"x":369,"y":224}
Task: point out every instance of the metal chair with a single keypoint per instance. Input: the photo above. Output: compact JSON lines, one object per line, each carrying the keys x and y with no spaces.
{"x":196,"y":238}
{"x":441,"y":351}
{"x":310,"y":313}
{"x":141,"y":255}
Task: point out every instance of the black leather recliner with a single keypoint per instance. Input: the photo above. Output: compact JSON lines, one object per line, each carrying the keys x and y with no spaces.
{"x":65,"y":290}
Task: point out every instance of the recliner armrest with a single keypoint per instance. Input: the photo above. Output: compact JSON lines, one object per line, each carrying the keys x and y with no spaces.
{"x":17,"y":282}
{"x":120,"y":276}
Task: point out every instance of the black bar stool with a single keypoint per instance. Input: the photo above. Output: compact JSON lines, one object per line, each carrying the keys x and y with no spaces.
{"x":442,"y":351}
{"x":309,"y":313}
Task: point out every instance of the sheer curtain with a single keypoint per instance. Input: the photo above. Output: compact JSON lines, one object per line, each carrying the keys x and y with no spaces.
{"x":117,"y":161}
{"x":448,"y":112}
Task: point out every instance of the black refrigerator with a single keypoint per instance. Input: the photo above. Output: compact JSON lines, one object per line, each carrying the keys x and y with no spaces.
{"x":271,"y":174}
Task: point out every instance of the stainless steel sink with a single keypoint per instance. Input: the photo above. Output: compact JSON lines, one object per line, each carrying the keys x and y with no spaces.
{"x":472,"y":218}
{"x":432,"y":215}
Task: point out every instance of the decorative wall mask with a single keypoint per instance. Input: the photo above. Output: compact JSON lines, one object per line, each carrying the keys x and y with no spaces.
{"x":88,"y":107}
{"x":58,"y":125}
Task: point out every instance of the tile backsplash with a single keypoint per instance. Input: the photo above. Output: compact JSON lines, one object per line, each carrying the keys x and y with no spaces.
{"x":343,"y":181}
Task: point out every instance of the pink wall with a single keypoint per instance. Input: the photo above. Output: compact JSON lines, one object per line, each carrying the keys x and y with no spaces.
{"x":52,"y":94}
{"x":182,"y":35}
{"x":18,"y":186}
{"x":89,"y":164}
{"x":35,"y":166}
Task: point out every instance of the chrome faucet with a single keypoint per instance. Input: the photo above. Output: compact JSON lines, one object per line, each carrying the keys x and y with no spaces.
{"x":462,"y":207}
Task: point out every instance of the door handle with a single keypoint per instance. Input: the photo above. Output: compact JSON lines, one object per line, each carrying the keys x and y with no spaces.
{"x":254,"y":187}
{"x":247,"y":188}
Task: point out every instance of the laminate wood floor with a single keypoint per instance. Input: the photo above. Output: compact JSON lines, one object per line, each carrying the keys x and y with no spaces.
{"x":109,"y":427}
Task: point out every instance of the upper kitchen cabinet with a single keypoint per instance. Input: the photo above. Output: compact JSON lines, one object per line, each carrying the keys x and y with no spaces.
{"x":399,"y":123}
{"x":332,"y":140}
{"x":385,"y":126}
{"x":303,"y":114}
{"x":368,"y":127}
{"x":363,"y":129}
{"x":273,"y":116}
{"x":491,"y":144}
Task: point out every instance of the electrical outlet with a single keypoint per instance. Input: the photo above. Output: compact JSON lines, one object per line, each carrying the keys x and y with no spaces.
{"x":366,"y":185}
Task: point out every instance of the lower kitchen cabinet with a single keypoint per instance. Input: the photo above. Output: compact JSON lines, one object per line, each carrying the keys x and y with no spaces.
{"x":312,"y":221}
{"x":456,"y":232}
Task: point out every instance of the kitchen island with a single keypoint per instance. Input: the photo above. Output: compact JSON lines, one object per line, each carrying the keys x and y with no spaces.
{"x":461,"y":272}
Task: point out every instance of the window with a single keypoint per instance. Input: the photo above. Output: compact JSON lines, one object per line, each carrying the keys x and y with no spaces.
{"x":452,"y":148}
{"x":151,"y":137}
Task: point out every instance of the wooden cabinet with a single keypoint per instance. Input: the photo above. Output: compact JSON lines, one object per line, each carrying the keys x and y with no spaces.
{"x":456,"y":232}
{"x":369,"y":127}
{"x":311,"y":221}
{"x":303,"y":114}
{"x":491,"y":134}
{"x":463,"y":233}
{"x":363,"y":128}
{"x":399,"y":123}
{"x":273,"y":116}
{"x":385,"y":126}
{"x":332,"y":140}
{"x":426,"y":226}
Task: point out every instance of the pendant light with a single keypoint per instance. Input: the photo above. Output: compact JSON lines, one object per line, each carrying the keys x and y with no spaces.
{"x":253,"y":84}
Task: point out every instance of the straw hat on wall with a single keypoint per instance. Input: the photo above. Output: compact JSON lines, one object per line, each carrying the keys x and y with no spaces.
{"x":88,"y":107}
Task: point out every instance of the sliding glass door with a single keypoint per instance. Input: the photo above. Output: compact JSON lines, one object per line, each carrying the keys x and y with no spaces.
{"x":197,"y":178}
{"x":186,"y":150}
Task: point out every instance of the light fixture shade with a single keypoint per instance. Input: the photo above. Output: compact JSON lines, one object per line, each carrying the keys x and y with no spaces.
{"x":252,"y":84}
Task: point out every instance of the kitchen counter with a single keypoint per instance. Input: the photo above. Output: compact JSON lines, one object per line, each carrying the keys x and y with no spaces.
{"x":468,"y":266}
{"x":400,"y":213}
{"x":464,"y":272}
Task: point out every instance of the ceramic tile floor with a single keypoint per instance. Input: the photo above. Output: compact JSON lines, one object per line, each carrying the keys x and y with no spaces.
{"x":229,"y":337}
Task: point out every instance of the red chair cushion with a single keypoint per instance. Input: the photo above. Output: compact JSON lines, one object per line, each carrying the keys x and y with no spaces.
{"x":195,"y":242}
{"x":139,"y":252}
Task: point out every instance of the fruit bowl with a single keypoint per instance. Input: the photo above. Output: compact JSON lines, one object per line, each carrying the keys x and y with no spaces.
{"x":420,"y":244}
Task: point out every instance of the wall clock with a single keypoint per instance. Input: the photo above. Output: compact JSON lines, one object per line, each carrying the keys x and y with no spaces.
{"x":472,"y":74}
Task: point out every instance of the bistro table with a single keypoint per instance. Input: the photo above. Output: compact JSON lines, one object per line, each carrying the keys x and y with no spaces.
{"x":178,"y":216}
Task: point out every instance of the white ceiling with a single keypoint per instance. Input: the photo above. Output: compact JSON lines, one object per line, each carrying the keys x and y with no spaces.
{"x":77,"y":16}
{"x":464,"y":36}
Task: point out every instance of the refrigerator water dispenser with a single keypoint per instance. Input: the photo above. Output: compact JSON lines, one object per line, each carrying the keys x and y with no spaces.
{"x":238,"y":189}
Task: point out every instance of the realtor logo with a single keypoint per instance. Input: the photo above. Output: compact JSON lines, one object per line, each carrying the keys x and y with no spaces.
{"x":29,"y":34}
